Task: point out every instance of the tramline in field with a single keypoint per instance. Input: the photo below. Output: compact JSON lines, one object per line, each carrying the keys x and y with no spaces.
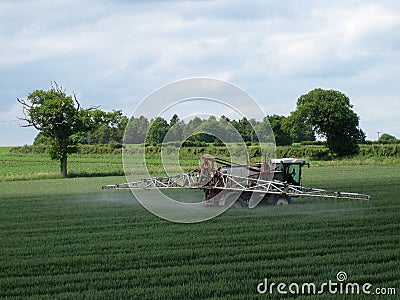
{"x":244,"y":185}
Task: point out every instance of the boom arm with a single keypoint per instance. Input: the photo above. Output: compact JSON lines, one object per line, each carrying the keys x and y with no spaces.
{"x":235,"y":183}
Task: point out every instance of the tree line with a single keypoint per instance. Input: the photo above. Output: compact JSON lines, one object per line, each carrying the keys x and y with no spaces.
{"x":112,"y":127}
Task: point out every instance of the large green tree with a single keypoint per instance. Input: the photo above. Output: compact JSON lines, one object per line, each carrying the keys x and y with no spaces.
{"x":58,"y":116}
{"x":330,"y":114}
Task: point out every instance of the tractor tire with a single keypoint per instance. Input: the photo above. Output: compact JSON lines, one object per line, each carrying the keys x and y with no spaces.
{"x":282,"y":200}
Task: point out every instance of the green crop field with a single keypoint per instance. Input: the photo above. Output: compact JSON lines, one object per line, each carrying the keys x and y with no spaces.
{"x":68,"y":239}
{"x":40,"y":166}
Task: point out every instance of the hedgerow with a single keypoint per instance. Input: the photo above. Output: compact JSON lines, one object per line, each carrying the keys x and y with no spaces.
{"x":315,"y":152}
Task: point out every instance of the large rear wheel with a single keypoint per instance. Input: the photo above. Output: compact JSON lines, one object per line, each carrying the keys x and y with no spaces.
{"x":282,"y":200}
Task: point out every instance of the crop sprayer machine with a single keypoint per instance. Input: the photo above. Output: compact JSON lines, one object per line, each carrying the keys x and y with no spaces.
{"x":247,"y":185}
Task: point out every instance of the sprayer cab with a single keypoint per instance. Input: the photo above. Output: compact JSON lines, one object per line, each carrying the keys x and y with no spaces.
{"x":288,"y":169}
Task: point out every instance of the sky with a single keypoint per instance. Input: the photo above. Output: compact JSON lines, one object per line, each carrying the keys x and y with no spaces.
{"x":112,"y":54}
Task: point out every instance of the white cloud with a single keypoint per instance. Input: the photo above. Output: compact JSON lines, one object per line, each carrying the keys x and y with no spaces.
{"x":11,"y":113}
{"x":115,"y":53}
{"x":10,"y":131}
{"x":366,"y":21}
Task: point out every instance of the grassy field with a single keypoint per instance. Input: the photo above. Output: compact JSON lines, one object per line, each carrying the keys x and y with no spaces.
{"x":68,"y":239}
{"x":40,"y":166}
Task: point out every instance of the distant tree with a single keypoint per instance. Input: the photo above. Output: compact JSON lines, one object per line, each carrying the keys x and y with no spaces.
{"x":263,"y":130}
{"x":190,"y":129}
{"x":40,"y":138}
{"x":282,"y":137}
{"x":136,"y":130}
{"x":109,"y":128}
{"x":330,"y":114}
{"x":387,"y":138}
{"x":225,"y":118}
{"x":175,"y":129}
{"x":214,"y":131}
{"x":245,"y":129}
{"x":209,"y":125}
{"x":58,"y":117}
{"x":157,"y":131}
{"x":298,"y":133}
{"x":174,"y":120}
